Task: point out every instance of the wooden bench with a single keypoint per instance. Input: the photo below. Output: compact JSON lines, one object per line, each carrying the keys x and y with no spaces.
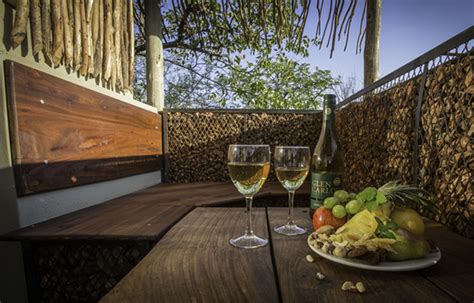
{"x":143,"y":215}
{"x":94,"y":248}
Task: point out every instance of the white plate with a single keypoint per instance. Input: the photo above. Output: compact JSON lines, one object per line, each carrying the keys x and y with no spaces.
{"x":409,"y":265}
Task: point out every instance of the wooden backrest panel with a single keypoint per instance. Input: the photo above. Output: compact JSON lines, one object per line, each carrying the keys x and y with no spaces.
{"x":66,"y":135}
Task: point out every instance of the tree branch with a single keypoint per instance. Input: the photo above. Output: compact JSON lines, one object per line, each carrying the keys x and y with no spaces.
{"x":196,"y":72}
{"x":175,"y":44}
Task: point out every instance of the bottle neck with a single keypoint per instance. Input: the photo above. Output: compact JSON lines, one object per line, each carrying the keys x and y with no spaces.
{"x":329,"y":118}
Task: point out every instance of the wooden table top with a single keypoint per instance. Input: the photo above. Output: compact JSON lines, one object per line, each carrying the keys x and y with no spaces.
{"x":194,"y":262}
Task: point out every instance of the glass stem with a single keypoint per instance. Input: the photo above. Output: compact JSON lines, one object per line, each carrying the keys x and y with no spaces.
{"x":248,"y":206}
{"x":291,"y":196}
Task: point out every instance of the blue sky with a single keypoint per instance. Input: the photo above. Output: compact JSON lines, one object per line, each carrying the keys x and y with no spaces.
{"x":409,"y":28}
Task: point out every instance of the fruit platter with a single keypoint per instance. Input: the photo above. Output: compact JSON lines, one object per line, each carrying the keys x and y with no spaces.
{"x":375,"y":229}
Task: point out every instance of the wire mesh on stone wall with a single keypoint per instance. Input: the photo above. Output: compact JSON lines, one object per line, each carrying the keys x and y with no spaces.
{"x":379,"y":135}
{"x":79,"y":271}
{"x":446,"y":158}
{"x":198,"y":141}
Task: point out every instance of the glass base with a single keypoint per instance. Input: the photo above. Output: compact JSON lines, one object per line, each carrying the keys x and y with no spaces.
{"x":290,"y":230}
{"x":248,"y":241}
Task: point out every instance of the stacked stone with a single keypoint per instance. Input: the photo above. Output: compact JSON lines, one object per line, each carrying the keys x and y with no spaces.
{"x":447,"y":143}
{"x":198,"y":141}
{"x":74,"y":271}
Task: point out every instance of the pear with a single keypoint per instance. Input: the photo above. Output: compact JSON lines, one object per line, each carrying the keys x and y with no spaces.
{"x":409,"y":249}
{"x":409,"y":219}
{"x":408,"y":246}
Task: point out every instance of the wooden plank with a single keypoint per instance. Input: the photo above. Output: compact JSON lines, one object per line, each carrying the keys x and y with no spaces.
{"x":137,"y":221}
{"x":66,"y":135}
{"x":33,"y":178}
{"x":455,"y":271}
{"x":298,"y":281}
{"x":206,"y":194}
{"x":199,"y":194}
{"x":153,"y":203}
{"x":195,"y":263}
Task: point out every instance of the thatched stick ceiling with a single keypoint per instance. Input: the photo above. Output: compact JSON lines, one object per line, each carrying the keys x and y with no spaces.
{"x":232,"y":25}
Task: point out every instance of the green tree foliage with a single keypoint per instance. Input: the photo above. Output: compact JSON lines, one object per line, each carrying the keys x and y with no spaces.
{"x":189,"y":88}
{"x":263,"y":83}
{"x":279,"y":83}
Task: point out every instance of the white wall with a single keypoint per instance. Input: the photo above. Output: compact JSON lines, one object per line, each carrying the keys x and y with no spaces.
{"x":40,"y":207}
{"x":19,"y":212}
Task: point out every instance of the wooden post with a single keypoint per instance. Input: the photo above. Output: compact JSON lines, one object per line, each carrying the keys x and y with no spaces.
{"x":154,"y":54}
{"x":372,"y":42}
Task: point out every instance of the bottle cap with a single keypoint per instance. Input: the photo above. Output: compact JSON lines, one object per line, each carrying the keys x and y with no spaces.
{"x":330,"y":100}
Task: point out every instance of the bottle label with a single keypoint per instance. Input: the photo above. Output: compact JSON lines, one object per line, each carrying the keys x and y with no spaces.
{"x":324,"y":185}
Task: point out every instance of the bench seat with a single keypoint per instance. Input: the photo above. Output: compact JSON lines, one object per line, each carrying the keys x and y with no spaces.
{"x":143,"y":215}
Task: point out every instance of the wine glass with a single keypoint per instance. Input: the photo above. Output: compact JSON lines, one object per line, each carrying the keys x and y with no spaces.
{"x":248,"y":168}
{"x":291,"y":166}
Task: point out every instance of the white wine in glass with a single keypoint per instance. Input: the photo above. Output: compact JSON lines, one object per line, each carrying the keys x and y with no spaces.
{"x":291,"y":166}
{"x":249,"y":166}
{"x":291,"y":178}
{"x":248,"y":177}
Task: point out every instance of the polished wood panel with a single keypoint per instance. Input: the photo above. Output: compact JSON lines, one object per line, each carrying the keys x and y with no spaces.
{"x":39,"y":177}
{"x":66,"y":135}
{"x":195,"y":263}
{"x":298,"y":281}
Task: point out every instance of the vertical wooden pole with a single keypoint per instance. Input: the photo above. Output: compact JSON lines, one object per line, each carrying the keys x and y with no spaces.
{"x":154,"y":54}
{"x":372,"y":41}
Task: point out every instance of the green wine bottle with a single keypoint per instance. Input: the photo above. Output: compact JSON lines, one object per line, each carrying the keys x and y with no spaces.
{"x":327,"y":164}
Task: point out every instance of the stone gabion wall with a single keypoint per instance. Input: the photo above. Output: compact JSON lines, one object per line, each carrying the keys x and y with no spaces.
{"x":198,"y":141}
{"x":378,"y":136}
{"x":80,"y":271}
{"x":446,"y":158}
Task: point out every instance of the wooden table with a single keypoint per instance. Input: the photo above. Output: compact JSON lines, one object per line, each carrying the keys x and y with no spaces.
{"x":194,"y":262}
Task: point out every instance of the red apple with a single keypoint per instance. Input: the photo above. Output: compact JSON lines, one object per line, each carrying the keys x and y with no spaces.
{"x":323,"y":216}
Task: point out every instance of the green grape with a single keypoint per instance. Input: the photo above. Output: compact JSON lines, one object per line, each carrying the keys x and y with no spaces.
{"x":339,"y":211}
{"x":353,"y":207}
{"x":380,"y":198}
{"x":330,"y":202}
{"x":342,"y":195}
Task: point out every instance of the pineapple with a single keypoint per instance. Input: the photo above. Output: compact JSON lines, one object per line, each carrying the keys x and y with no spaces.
{"x":362,"y":225}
